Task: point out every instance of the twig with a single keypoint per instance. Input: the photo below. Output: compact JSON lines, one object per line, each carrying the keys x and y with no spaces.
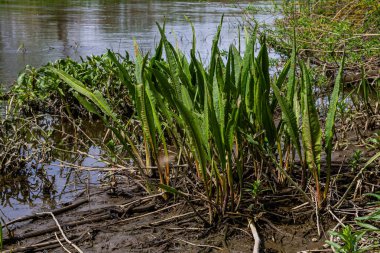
{"x":55,"y":212}
{"x":276,"y":228}
{"x":335,"y":217}
{"x":256,"y":246}
{"x":60,"y":243}
{"x":147,"y":214}
{"x":34,"y":247}
{"x":317,"y":215}
{"x":141,"y":199}
{"x":300,"y":206}
{"x":200,"y":245}
{"x":179,"y":228}
{"x":63,"y":234}
{"x":171,"y":218}
{"x":53,"y":229}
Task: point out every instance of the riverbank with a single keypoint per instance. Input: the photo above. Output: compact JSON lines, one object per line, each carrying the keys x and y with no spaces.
{"x":217,"y":152}
{"x":126,"y":220}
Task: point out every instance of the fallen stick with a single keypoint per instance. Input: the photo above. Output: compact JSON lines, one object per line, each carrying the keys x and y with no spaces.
{"x":200,"y":245}
{"x":147,"y":214}
{"x":369,"y":162}
{"x":53,"y":229}
{"x":55,"y":212}
{"x":60,"y":243}
{"x":40,"y":246}
{"x":160,"y":222}
{"x":138,"y":209}
{"x":256,"y":246}
{"x":63,"y":233}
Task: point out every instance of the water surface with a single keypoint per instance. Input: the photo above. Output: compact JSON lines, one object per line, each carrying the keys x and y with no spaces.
{"x":34,"y":32}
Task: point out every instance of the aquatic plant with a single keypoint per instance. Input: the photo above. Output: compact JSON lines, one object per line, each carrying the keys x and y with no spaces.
{"x":215,"y":115}
{"x":39,"y":89}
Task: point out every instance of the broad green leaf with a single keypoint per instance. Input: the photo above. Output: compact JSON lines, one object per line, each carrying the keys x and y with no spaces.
{"x":169,"y":189}
{"x":290,"y":119}
{"x":96,"y":97}
{"x":311,"y":129}
{"x":87,"y":105}
{"x":123,"y":73}
{"x":291,"y":88}
{"x":330,"y":122}
{"x":279,"y":82}
{"x":368,"y":226}
{"x":215,"y":51}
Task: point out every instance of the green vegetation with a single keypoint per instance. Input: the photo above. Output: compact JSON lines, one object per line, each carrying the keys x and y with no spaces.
{"x":37,"y":89}
{"x":238,"y":130}
{"x":325,"y":29}
{"x":216,"y":115}
{"x":363,"y":236}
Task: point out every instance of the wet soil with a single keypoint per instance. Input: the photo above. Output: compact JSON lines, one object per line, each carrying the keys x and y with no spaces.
{"x":126,"y":220}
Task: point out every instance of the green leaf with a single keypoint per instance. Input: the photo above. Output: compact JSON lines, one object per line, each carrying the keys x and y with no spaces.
{"x":87,"y":105}
{"x":289,"y":118}
{"x":123,"y":72}
{"x":169,"y":189}
{"x":334,"y":245}
{"x":330,"y":122}
{"x":96,"y":97}
{"x":291,"y":88}
{"x":215,"y":51}
{"x":375,"y":195}
{"x":368,"y":226}
{"x":311,"y":129}
{"x":279,"y":82}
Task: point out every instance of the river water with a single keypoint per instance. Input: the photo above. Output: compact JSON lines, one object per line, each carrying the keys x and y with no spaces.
{"x":34,"y":32}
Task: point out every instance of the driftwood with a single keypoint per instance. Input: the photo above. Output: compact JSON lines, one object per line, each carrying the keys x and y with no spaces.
{"x":54,"y":229}
{"x":64,"y":235}
{"x":108,"y":213}
{"x":55,"y":212}
{"x":43,"y":246}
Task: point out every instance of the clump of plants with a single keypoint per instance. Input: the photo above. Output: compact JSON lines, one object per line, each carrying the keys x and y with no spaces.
{"x":221,"y":118}
{"x":37,"y":89}
{"x":363,"y":235}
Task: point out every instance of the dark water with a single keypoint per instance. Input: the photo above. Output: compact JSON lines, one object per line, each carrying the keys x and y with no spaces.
{"x":35,"y":32}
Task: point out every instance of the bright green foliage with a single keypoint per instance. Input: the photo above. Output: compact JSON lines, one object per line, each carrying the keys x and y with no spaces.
{"x":327,"y":28}
{"x":311,"y":129}
{"x":330,"y":122}
{"x":350,"y":240}
{"x":364,"y":236}
{"x":217,"y":115}
{"x":42,"y":90}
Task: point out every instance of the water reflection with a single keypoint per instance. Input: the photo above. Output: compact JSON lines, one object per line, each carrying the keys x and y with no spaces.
{"x":35,"y":32}
{"x":42,"y":175}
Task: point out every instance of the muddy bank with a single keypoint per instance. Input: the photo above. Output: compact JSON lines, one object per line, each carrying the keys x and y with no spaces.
{"x":123,"y":219}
